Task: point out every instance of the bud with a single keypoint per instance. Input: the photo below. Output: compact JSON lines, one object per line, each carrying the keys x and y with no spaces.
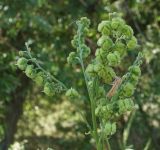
{"x":121,"y":107}
{"x":134,"y":79}
{"x":90,"y":70}
{"x":22,"y":63}
{"x":74,"y":42}
{"x":108,"y":113}
{"x":48,"y":89}
{"x":106,"y":31}
{"x":39,"y":79}
{"x":125,"y":105}
{"x":86,"y":51}
{"x":105,"y":42}
{"x":71,"y":59}
{"x":108,"y":43}
{"x":120,"y":47}
{"x":30,"y":71}
{"x":85,"y":21}
{"x":129,"y":104}
{"x":112,"y":59}
{"x":132,"y":43}
{"x":135,"y":70}
{"x":102,"y":53}
{"x":104,"y":27}
{"x":110,"y":128}
{"x":106,"y":73}
{"x":127,"y":31}
{"x":116,"y":22}
{"x":128,"y":90}
{"x":72,"y":94}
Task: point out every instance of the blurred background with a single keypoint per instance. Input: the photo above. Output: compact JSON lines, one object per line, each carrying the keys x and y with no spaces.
{"x":30,"y":120}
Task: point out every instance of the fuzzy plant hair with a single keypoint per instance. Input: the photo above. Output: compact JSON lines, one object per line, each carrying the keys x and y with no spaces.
{"x":116,"y":39}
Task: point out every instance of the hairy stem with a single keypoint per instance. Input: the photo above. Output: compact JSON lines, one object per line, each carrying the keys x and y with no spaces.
{"x":94,"y":122}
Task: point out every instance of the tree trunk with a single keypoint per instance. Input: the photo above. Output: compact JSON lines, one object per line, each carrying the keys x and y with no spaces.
{"x":13,"y":113}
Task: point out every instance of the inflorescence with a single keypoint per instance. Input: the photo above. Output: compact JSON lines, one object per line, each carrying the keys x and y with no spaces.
{"x":116,"y":39}
{"x":33,"y":70}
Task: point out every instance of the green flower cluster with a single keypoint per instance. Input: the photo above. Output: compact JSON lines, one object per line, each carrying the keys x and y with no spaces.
{"x":78,"y":41}
{"x":121,"y":102}
{"x":30,"y":68}
{"x":116,"y":39}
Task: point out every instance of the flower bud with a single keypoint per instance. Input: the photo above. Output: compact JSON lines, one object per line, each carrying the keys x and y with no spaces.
{"x":22,"y":63}
{"x":128,"y":90}
{"x":120,"y":47}
{"x":110,"y":128}
{"x":107,"y":74}
{"x":48,"y":89}
{"x":74,"y":42}
{"x":113,"y":58}
{"x":134,"y":79}
{"x":106,"y":31}
{"x":101,"y":40}
{"x":125,"y":105}
{"x":104,"y":27}
{"x":90,"y":70}
{"x":105,"y":42}
{"x":116,"y":22}
{"x":39,"y":78}
{"x":85,"y":21}
{"x":86,"y":51}
{"x":102,"y":54}
{"x":72,"y":94}
{"x":125,"y":31}
{"x":71,"y":59}
{"x":121,"y":107}
{"x":30,"y":71}
{"x":135,"y":70}
{"x":129,"y":104}
{"x":132,"y":43}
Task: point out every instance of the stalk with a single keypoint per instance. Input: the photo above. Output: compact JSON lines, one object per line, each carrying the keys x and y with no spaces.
{"x":108,"y":145}
{"x":92,"y":102}
{"x":94,"y":122}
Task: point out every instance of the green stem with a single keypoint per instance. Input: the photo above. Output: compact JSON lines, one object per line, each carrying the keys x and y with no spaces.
{"x":92,"y":101}
{"x":108,"y":145}
{"x":94,"y":122}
